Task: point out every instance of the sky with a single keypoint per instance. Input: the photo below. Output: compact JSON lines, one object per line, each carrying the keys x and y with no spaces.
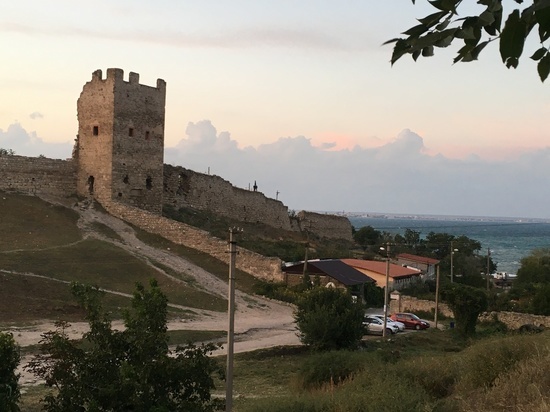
{"x":299,"y":96}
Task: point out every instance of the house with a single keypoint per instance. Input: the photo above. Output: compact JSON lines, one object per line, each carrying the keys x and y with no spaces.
{"x":399,"y":276}
{"x":331,"y":272}
{"x":425,"y":264}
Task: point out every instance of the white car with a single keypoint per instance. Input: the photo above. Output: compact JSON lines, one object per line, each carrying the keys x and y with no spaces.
{"x":375,"y":326}
{"x":400,"y":325}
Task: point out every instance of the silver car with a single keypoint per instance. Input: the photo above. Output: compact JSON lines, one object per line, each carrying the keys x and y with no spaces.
{"x":400,"y":325}
{"x":375,"y":326}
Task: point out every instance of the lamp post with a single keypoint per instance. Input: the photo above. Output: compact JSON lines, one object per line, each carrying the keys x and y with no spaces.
{"x":453,"y":250}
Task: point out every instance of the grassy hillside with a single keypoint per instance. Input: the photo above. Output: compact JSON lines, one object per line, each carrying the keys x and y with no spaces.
{"x":37,"y":238}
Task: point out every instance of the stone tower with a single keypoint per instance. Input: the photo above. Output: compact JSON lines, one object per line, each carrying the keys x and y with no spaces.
{"x":120,"y":144}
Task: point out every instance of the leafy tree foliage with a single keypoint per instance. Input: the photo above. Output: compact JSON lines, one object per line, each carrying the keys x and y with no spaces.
{"x":442,"y":28}
{"x":9,"y":359}
{"x":367,"y":236}
{"x":466,"y":303}
{"x":6,"y":152}
{"x":532,"y":285}
{"x":129,"y":370}
{"x":328,"y":319}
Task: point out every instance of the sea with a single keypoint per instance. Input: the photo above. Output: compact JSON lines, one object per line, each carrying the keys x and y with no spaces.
{"x":508,"y":239}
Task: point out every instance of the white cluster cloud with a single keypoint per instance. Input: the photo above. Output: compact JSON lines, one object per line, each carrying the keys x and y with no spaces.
{"x":399,"y":177}
{"x":29,"y":144}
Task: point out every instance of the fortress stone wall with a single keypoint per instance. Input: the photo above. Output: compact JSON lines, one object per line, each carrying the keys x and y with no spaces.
{"x":38,"y":175}
{"x":512,"y":320}
{"x":257,"y":265}
{"x":325,"y":225}
{"x":186,"y":188}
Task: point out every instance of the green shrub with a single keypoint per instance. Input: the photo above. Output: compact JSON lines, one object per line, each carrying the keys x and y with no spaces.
{"x":329,"y":319}
{"x":483,"y":363}
{"x":328,"y":368}
{"x":9,"y":359}
{"x":525,"y":387}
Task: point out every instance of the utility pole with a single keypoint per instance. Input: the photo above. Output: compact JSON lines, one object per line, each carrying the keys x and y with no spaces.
{"x":231,"y":319}
{"x":488,"y":275}
{"x":386,"y":289}
{"x":436,"y":295}
{"x":452,"y":266}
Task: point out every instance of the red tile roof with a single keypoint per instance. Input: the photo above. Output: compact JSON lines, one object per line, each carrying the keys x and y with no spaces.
{"x":419,"y":259}
{"x":396,"y":271}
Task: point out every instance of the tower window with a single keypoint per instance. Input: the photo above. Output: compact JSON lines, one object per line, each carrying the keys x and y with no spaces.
{"x":131,"y":132}
{"x":147,"y":135}
{"x":149,"y":183}
{"x":126,"y":179}
{"x":95,"y":130}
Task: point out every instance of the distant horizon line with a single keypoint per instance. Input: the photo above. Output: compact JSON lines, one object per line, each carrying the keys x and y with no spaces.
{"x":420,"y":216}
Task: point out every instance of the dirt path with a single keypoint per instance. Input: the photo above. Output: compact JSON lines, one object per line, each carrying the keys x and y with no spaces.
{"x":259,"y":323}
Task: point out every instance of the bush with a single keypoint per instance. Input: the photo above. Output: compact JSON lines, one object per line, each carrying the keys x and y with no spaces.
{"x":9,"y":359}
{"x":328,"y":368}
{"x":467,"y":303}
{"x":125,"y":370}
{"x":328,"y":319}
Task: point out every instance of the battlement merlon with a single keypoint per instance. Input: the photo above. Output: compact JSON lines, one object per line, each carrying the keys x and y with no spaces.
{"x":118,"y":76}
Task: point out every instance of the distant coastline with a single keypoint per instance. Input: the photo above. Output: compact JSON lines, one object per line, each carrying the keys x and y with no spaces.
{"x":457,"y":218}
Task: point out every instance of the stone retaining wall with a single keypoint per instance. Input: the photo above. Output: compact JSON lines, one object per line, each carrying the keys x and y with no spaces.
{"x":512,"y":320}
{"x":262,"y":267}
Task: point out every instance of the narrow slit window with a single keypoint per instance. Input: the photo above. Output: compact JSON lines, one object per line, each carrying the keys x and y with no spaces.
{"x":147,"y":135}
{"x":131,"y":132}
{"x":95,"y":130}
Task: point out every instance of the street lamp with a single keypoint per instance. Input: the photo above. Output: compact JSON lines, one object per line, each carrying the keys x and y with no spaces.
{"x":453,"y":250}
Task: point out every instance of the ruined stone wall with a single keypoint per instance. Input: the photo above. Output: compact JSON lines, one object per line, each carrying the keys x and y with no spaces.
{"x":511,"y":319}
{"x":38,"y":175}
{"x":257,"y":265}
{"x":325,"y":225}
{"x":186,"y":188}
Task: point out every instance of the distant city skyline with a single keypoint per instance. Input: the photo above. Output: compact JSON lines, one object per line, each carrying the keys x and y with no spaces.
{"x":300,"y":97}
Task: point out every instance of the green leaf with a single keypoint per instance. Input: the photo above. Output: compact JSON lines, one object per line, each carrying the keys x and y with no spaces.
{"x":512,"y":39}
{"x":466,"y":33}
{"x":428,"y":51}
{"x":416,"y":30}
{"x":391,"y":41}
{"x":544,"y":67}
{"x":443,"y":25}
{"x":539,"y":54}
{"x":401,"y":47}
{"x":432,"y":19}
{"x":542,"y":17}
{"x":477,"y":50}
{"x":444,"y":42}
{"x":445,"y":5}
{"x":416,"y":54}
{"x":486,"y":18}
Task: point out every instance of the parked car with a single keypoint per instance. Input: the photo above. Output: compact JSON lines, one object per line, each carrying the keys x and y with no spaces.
{"x":375,"y":326}
{"x":400,"y":326}
{"x":410,"y":320}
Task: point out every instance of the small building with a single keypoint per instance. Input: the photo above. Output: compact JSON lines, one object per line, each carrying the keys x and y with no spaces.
{"x":331,"y":272}
{"x":399,"y":276}
{"x":425,"y":264}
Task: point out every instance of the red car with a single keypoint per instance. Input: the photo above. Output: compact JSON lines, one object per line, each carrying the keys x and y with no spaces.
{"x":410,"y":320}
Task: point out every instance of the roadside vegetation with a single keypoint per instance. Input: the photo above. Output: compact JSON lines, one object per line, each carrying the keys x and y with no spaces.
{"x":419,"y":371}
